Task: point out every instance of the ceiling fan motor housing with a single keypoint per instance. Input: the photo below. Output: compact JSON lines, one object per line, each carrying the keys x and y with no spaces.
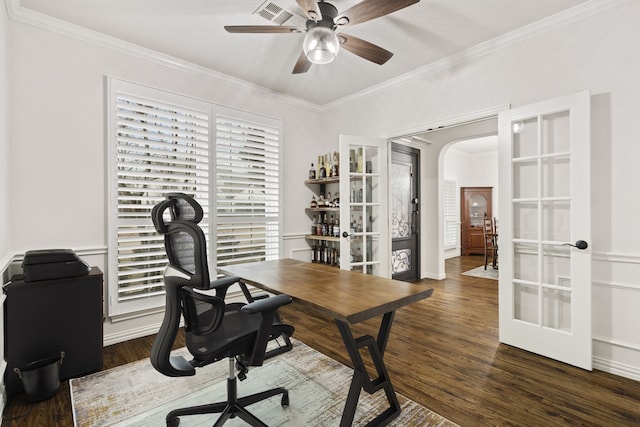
{"x":329,"y":12}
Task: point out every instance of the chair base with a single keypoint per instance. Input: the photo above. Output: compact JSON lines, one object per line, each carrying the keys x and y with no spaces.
{"x":233,"y":407}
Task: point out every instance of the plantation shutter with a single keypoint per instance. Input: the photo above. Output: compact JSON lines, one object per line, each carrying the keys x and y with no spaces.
{"x":247,"y":190}
{"x":161,"y":146}
{"x":451,"y":213}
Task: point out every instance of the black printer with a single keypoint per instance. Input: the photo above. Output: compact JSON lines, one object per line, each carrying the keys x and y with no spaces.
{"x":48,"y":264}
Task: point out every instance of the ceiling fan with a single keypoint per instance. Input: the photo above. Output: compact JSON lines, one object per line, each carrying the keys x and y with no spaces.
{"x":322,"y":43}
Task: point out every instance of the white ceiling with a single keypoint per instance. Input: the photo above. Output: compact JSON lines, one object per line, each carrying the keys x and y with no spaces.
{"x":192,"y":31}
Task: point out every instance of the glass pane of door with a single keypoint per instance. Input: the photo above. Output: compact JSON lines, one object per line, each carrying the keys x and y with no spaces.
{"x":364,"y":242}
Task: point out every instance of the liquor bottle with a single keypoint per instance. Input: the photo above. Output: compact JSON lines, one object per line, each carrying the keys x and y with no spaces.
{"x":321,"y":253}
{"x":323,"y":170}
{"x":325,"y":226}
{"x":336,"y":228}
{"x":331,"y":226}
{"x":336,"y":164}
{"x":314,"y":252}
{"x":314,"y":225}
{"x":360,"y":160}
{"x":314,"y":203}
{"x":312,"y":172}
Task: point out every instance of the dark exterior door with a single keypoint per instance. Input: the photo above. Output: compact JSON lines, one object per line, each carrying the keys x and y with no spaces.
{"x":405,"y":213}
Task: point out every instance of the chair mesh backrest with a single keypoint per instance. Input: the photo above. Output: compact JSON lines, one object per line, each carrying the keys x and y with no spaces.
{"x":181,"y":247}
{"x":177,"y":218}
{"x":181,"y":244}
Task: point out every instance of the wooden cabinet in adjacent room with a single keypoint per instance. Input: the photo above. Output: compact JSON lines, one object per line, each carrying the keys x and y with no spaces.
{"x":475,"y":202}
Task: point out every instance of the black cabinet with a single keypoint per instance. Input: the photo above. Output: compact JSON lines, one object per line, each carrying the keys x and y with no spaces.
{"x":46,"y":317}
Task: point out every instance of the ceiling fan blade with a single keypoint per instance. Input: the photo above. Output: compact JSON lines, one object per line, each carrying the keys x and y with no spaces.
{"x":249,"y":29}
{"x":311,"y":9}
{"x":364,"y":49}
{"x":302,"y":65}
{"x":370,"y":9}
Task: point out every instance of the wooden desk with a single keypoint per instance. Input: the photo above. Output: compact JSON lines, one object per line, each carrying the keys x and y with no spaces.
{"x":348,"y":297}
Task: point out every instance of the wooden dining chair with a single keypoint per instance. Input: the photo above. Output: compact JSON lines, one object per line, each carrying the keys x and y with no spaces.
{"x":490,"y":242}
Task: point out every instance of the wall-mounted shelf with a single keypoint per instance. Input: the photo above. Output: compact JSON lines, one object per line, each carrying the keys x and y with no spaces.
{"x":330,"y":180}
{"x":313,"y":210}
{"x":324,"y":238}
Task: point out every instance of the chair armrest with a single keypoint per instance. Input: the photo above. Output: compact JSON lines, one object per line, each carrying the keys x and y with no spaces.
{"x":267,"y":309}
{"x":222,"y":285}
{"x":267,"y":304}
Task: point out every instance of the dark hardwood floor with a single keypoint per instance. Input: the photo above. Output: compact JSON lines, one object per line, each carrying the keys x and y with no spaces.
{"x":443,"y":353}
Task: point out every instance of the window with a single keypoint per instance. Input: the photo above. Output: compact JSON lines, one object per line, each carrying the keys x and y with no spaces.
{"x":451,"y":215}
{"x":247,"y":191}
{"x":161,"y":142}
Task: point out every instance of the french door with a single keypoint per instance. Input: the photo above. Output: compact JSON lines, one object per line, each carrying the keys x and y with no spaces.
{"x":545,"y":257}
{"x":364,"y":218}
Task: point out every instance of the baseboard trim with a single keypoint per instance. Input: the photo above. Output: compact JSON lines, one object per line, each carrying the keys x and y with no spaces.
{"x":130,"y":334}
{"x":616,"y":368}
{"x":434,"y":276}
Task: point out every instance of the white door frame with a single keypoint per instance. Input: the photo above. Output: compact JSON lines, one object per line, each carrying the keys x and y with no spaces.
{"x":432,"y":182}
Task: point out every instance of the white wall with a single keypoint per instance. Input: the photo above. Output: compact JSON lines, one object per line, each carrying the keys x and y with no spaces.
{"x":5,"y":174}
{"x":58,"y":152}
{"x":471,"y":170}
{"x":5,"y":154}
{"x":598,"y":53}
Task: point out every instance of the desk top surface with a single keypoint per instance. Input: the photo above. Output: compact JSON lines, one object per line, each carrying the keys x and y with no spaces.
{"x":345,"y":295}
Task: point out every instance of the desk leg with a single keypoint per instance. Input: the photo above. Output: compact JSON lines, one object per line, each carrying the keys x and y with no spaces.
{"x":361,"y":379}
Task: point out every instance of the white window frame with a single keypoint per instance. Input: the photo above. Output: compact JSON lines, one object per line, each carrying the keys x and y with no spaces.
{"x":116,"y":306}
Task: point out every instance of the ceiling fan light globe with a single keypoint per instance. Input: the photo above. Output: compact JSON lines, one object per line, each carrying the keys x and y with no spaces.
{"x":321,"y":45}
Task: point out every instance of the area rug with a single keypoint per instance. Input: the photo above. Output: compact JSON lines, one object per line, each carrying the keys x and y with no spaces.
{"x":489,"y":273}
{"x":136,"y":395}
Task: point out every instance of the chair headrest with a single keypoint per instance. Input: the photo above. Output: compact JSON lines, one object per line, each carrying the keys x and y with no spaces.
{"x":181,"y":207}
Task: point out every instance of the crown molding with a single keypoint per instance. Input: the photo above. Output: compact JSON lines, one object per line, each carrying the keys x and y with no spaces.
{"x":30,"y":17}
{"x":18,"y":13}
{"x":542,"y":26}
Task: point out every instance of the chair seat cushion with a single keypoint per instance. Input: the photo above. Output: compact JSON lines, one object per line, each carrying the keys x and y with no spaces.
{"x":235,"y":336}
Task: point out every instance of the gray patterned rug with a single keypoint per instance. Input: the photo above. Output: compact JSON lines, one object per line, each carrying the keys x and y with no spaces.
{"x":136,"y":395}
{"x":489,"y":273}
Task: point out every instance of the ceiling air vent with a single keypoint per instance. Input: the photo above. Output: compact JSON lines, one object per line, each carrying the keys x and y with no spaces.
{"x":274,"y":13}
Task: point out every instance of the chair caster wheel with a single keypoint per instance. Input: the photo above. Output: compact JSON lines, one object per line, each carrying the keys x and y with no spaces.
{"x":285,"y":399}
{"x":174,"y":422}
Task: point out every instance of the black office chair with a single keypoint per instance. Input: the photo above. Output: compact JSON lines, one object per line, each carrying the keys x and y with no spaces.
{"x":213,"y":330}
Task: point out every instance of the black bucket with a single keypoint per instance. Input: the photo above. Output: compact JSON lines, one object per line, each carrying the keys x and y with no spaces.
{"x":41,"y":379}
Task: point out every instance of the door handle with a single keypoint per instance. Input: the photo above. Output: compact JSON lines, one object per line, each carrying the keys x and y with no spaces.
{"x":346,"y":234}
{"x":580,"y":244}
